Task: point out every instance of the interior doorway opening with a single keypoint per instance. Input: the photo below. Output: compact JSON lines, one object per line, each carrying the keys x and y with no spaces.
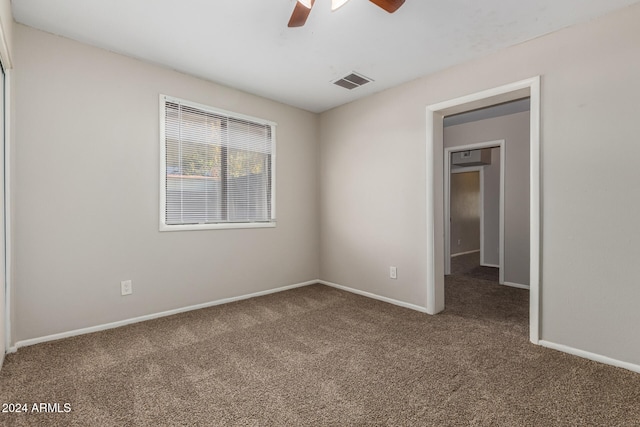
{"x":435,"y":261}
{"x":490,"y":242}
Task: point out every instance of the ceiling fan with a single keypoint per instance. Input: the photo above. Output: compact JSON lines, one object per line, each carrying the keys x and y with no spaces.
{"x":303,"y":8}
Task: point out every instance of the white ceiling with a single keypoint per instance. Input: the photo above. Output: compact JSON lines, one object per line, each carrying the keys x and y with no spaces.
{"x":246,"y":44}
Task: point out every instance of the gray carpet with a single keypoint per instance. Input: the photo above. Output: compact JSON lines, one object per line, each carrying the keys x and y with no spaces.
{"x":492,"y":274}
{"x":469,"y":265}
{"x":320,"y":356}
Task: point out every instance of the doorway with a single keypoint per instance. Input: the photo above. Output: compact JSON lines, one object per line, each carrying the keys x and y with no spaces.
{"x":435,"y":261}
{"x":484,"y":241}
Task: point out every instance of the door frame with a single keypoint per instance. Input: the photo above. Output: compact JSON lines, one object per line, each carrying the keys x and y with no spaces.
{"x":7,"y":238}
{"x":435,"y":189}
{"x":5,"y":283}
{"x":500,"y":143}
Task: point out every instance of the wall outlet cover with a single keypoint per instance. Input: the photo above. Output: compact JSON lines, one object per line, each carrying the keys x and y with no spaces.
{"x":126,"y":287}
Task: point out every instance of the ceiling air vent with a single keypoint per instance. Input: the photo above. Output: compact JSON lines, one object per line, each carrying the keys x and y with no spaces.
{"x":352,"y":81}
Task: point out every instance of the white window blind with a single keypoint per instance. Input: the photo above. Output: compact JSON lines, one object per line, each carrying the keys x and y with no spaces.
{"x":218,"y":167}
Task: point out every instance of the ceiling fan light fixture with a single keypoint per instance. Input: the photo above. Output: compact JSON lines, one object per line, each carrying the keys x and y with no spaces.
{"x":336,"y":4}
{"x":303,"y":8}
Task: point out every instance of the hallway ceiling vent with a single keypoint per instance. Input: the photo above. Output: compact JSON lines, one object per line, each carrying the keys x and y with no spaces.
{"x":352,"y":81}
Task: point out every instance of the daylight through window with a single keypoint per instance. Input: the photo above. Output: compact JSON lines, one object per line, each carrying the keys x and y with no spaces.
{"x":217,"y":168}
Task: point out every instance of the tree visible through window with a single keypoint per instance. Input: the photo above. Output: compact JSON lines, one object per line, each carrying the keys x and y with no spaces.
{"x":218,"y":166}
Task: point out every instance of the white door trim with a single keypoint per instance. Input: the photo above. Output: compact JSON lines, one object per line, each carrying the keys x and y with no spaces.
{"x":434,"y":189}
{"x":8,"y":233}
{"x":447,"y":200}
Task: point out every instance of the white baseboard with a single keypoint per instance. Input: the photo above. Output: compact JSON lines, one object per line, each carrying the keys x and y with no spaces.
{"x":465,"y":253}
{"x":484,"y":264}
{"x":591,"y":356}
{"x":375,"y":296}
{"x":125,"y":322}
{"x":516,"y":285}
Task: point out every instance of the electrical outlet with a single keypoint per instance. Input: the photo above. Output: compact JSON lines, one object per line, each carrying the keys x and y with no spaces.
{"x":126,"y":287}
{"x":393,"y":272}
{"x":459,"y":241}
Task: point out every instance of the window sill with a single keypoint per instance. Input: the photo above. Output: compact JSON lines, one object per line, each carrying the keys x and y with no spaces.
{"x":227,"y":226}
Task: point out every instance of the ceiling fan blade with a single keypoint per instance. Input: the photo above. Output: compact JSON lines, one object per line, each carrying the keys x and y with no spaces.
{"x":300,"y":14}
{"x":388,"y":5}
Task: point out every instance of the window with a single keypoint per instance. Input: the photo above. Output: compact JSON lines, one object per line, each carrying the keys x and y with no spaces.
{"x":217,"y":168}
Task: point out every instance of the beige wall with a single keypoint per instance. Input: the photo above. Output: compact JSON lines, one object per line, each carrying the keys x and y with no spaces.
{"x":491,"y":206}
{"x":87,"y":194}
{"x":514,"y":129}
{"x":6,"y":26}
{"x":373,"y":181}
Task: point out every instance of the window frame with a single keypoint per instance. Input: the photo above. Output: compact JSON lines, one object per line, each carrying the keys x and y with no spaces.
{"x":163,"y":226}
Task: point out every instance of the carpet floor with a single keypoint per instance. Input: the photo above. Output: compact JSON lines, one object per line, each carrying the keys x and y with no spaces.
{"x":320,"y":356}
